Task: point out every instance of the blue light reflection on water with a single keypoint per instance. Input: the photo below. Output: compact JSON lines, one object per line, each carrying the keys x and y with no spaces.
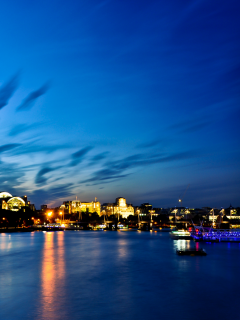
{"x":115,"y":275}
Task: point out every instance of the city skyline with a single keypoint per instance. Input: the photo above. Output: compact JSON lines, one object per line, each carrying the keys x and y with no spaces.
{"x":112,"y":98}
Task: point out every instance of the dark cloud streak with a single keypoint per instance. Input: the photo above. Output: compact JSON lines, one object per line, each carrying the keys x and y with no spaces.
{"x":79,"y":156}
{"x":31,"y":148}
{"x":8,"y":147}
{"x":21,"y":128}
{"x":40,"y":177}
{"x":7,"y":90}
{"x":114,"y":170}
{"x":150,"y":144}
{"x":99,"y":157}
{"x":193,"y":125}
{"x":46,"y":195}
{"x":32,"y":97}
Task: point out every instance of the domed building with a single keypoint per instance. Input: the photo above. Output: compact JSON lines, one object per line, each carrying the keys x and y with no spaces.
{"x":8,"y":202}
{"x":4,"y":195}
{"x":15,"y":203}
{"x":120,"y":207}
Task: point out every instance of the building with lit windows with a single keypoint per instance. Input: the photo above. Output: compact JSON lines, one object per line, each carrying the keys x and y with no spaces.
{"x":120,"y":208}
{"x":8,"y":202}
{"x":76,"y":206}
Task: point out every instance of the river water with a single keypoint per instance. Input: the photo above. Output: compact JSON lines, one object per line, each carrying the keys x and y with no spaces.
{"x":115,"y":275}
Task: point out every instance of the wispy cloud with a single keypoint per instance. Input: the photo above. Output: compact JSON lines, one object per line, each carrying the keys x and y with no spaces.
{"x":98,"y":157}
{"x":21,"y":128}
{"x":32,"y":97}
{"x":41,"y":175}
{"x":50,"y":194}
{"x":149,"y":144}
{"x":8,"y":89}
{"x":37,"y":147}
{"x":192,"y":125}
{"x":11,"y":176}
{"x":78,"y":156}
{"x":196,"y":127}
{"x":8,"y":147}
{"x":105,"y":174}
{"x":118,"y":169}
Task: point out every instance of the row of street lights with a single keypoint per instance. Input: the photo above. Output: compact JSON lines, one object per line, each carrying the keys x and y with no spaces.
{"x":60,"y":213}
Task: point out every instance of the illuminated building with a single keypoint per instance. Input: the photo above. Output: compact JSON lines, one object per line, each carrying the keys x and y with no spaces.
{"x":76,"y":206}
{"x":15,"y":203}
{"x":4,"y":195}
{"x":120,"y":207}
{"x":8,"y":202}
{"x":4,"y":204}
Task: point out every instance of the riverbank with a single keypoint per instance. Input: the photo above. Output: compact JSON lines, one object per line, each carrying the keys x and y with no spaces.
{"x":14,"y":230}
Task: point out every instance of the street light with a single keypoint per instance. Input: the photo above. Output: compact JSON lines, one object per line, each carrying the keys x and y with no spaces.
{"x":104,"y":212}
{"x":138,"y":214}
{"x":49,"y":215}
{"x":60,"y":214}
{"x":151,"y":220}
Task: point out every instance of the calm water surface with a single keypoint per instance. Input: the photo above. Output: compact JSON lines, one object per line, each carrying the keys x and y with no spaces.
{"x":115,"y":275}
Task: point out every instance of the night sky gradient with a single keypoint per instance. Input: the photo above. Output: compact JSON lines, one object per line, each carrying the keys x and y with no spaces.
{"x":121,"y":98}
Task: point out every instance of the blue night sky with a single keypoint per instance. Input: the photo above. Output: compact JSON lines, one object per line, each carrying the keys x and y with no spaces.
{"x":120,"y":98}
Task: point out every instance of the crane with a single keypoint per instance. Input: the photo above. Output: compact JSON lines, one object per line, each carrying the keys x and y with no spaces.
{"x":181,"y":198}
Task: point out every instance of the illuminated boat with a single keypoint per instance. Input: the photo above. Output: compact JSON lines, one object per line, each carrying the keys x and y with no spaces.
{"x":222,"y":235}
{"x":216,"y":235}
{"x":191,"y":252}
{"x":180,"y":234}
{"x":122,"y":226}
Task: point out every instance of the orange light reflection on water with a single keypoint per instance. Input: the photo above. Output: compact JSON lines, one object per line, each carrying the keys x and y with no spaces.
{"x":5,"y":241}
{"x":52,"y":275}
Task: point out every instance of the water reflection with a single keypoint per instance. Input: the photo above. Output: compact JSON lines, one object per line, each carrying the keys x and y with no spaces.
{"x":32,"y":238}
{"x":181,"y":244}
{"x":61,"y":256}
{"x":131,"y":277}
{"x":5,"y":241}
{"x":122,"y":248}
{"x":5,"y":278}
{"x":52,"y":275}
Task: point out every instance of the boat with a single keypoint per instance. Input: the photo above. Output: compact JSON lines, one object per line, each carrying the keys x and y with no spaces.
{"x":76,"y":226}
{"x":191,"y":252}
{"x":180,"y":235}
{"x":122,"y":226}
{"x":216,"y":235}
